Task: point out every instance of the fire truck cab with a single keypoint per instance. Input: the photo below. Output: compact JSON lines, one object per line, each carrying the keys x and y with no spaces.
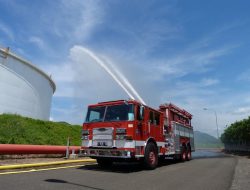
{"x":126,"y":130}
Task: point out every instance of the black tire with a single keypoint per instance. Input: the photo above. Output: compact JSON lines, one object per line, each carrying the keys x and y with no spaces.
{"x":183,"y":156}
{"x":104,"y":162}
{"x":151,"y":156}
{"x":189,"y":154}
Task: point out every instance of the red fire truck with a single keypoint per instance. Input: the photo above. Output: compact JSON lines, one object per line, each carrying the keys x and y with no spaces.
{"x":126,"y":130}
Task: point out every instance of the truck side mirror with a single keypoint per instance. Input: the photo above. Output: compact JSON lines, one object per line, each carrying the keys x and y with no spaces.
{"x":141,"y":112}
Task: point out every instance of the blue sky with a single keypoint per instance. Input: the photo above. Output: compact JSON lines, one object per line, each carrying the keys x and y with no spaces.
{"x":194,"y":54}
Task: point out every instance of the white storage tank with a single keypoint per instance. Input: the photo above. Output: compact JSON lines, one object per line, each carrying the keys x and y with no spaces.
{"x":24,"y":89}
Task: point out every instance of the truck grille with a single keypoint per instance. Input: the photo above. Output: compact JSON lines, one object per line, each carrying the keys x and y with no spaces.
{"x":103,"y":137}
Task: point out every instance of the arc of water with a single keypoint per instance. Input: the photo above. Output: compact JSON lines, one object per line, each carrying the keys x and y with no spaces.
{"x":125,"y":80}
{"x":100,"y":63}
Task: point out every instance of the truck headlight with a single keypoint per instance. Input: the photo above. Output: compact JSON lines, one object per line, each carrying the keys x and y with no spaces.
{"x":85,"y":132}
{"x":121,"y":131}
{"x":85,"y":137}
{"x":120,"y":137}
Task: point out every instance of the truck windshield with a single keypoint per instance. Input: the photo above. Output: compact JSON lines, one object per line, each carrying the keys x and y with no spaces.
{"x":123,"y":112}
{"x":95,"y":114}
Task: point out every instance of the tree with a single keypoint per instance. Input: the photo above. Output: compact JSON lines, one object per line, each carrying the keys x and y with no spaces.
{"x":237,"y":132}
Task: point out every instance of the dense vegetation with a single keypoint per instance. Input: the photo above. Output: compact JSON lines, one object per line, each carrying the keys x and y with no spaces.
{"x":204,"y":140}
{"x":238,"y":132}
{"x":15,"y":129}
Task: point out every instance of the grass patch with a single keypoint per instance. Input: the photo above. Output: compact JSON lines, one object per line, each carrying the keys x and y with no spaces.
{"x":15,"y":129}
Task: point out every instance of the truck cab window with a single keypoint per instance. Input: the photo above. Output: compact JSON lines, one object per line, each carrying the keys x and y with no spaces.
{"x":123,"y":112}
{"x":95,"y":114}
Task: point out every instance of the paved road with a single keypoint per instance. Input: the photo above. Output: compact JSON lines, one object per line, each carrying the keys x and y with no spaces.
{"x":208,"y":170}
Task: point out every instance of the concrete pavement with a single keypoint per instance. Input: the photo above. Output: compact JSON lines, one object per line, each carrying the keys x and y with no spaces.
{"x":200,"y":173}
{"x":240,"y":178}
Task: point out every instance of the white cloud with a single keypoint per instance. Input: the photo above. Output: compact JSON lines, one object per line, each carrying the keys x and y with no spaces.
{"x":92,"y":80}
{"x":244,"y":76}
{"x":242,"y":111}
{"x":61,"y":72}
{"x":209,"y":82}
{"x":73,"y":114}
{"x":7,"y":31}
{"x":190,"y":62}
{"x":92,"y":15}
{"x":63,"y":76}
{"x":37,"y":41}
{"x":80,"y":18}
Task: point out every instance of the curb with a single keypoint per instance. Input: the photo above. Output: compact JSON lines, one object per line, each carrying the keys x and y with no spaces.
{"x":18,"y":166}
{"x":242,"y":174}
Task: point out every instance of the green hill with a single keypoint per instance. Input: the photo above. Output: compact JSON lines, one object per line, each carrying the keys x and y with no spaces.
{"x":204,"y":140}
{"x":15,"y":129}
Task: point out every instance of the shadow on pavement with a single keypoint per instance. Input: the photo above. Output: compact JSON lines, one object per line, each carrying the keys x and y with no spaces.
{"x":131,"y":167}
{"x":125,"y":167}
{"x":116,"y":167}
{"x":66,"y":182}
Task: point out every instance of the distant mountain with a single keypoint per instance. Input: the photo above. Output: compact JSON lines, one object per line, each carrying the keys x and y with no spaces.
{"x":204,"y":140}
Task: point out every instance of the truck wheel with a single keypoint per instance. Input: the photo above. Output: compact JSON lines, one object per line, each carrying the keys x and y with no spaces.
{"x":151,"y":156}
{"x":104,"y":162}
{"x":189,"y":154}
{"x":184,"y":154}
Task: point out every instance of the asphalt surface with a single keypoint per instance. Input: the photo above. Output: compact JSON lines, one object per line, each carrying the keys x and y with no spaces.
{"x":208,"y":170}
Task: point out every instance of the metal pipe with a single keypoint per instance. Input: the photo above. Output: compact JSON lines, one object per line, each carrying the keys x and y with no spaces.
{"x":35,"y":149}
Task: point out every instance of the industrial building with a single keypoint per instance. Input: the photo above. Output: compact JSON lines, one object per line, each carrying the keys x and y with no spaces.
{"x":24,"y":89}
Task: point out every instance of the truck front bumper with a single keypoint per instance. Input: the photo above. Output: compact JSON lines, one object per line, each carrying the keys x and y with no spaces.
{"x":109,"y":153}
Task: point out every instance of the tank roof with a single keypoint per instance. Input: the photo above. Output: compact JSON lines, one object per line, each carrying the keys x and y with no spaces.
{"x":6,"y":53}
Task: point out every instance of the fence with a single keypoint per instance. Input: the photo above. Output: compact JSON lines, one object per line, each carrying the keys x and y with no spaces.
{"x":237,"y":146}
